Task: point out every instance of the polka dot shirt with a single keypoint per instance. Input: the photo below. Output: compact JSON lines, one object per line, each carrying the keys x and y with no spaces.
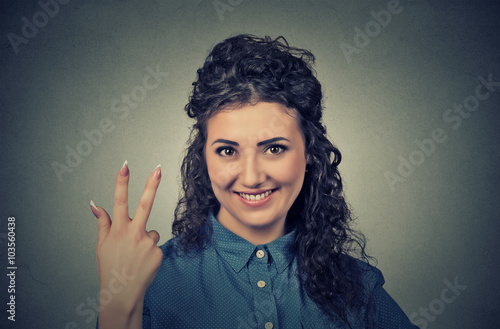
{"x":235,"y":284}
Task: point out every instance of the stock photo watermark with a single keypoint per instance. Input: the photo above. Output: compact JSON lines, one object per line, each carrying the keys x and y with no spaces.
{"x":31,"y":27}
{"x":222,"y":7}
{"x":89,"y":309}
{"x":436,"y":307}
{"x":453,"y":117}
{"x":372,"y":29}
{"x":94,"y":137}
{"x":11,"y":268}
{"x":276,"y":124}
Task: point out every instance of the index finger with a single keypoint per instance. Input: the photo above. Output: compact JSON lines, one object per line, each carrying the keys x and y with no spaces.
{"x":120,"y":200}
{"x":147,"y":198}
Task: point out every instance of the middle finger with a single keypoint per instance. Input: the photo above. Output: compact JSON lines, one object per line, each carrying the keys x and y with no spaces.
{"x":120,"y":200}
{"x":146,"y":201}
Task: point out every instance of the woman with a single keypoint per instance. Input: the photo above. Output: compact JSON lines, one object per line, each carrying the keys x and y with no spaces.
{"x":262,"y":235}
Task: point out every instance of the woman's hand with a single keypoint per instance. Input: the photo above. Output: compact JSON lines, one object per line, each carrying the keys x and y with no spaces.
{"x":127,"y":255}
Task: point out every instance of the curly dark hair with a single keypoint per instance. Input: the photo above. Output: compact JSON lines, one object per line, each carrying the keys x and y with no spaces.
{"x":245,"y":70}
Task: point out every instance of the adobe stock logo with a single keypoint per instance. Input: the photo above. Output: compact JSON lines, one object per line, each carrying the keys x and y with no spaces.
{"x":372,"y":29}
{"x":425,"y":148}
{"x":276,"y":124}
{"x":221,"y":7}
{"x":32,"y":26}
{"x":91,"y":307}
{"x":121,"y":108}
{"x":437,"y":306}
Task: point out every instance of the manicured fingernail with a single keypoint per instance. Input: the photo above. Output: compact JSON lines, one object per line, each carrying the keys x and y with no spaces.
{"x":157,"y":172}
{"x":94,"y":209}
{"x":124,"y":171}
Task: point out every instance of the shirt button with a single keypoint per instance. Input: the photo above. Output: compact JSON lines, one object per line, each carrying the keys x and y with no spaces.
{"x":269,"y":325}
{"x":261,"y":284}
{"x":260,"y":253}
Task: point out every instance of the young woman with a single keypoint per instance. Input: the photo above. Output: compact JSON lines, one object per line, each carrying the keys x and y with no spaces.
{"x":262,"y":235}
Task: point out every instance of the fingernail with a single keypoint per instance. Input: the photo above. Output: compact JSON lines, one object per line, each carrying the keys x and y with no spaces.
{"x":94,"y":209}
{"x":124,"y":171}
{"x":157,"y":172}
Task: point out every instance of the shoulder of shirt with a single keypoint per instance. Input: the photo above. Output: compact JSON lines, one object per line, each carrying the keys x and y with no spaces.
{"x":369,"y":275}
{"x":172,"y":249}
{"x":170,"y":246}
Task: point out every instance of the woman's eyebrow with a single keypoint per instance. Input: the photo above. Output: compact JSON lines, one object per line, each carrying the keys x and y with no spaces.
{"x":272,"y":140}
{"x":225,"y":141}
{"x":267,"y":141}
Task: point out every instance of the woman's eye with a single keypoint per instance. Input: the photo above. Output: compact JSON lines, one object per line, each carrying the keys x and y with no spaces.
{"x":225,"y":151}
{"x":276,"y":149}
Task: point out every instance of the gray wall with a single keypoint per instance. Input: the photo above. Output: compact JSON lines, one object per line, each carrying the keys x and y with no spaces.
{"x":431,"y":217}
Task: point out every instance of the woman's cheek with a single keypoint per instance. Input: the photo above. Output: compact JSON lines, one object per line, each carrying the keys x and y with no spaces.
{"x":289,"y":172}
{"x":221,"y":173}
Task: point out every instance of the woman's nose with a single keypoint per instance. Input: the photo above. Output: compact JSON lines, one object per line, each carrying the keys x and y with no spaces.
{"x":251,"y":174}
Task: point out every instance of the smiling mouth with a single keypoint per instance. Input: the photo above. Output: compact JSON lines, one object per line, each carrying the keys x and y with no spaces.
{"x":256,"y":197}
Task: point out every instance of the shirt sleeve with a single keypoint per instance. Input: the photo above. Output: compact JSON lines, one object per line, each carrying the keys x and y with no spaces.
{"x":146,"y":318}
{"x":389,"y":314}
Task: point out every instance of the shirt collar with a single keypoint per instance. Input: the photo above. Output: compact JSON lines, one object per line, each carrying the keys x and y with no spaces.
{"x":238,"y":251}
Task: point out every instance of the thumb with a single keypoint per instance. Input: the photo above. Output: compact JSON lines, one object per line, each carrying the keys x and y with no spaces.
{"x":154,"y":235}
{"x":103,"y":222}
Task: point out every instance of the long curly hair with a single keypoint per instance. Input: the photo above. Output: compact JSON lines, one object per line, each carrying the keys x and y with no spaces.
{"x":244,"y":70}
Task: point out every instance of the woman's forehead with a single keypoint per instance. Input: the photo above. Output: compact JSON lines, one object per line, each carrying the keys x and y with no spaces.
{"x":260,"y":119}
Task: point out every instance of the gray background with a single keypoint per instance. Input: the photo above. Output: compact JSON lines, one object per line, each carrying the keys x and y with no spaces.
{"x":441,"y":224}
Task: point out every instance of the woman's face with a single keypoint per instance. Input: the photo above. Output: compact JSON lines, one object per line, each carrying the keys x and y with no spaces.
{"x":256,"y":162}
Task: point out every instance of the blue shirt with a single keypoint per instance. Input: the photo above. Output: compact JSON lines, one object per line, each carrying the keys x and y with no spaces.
{"x":235,"y":284}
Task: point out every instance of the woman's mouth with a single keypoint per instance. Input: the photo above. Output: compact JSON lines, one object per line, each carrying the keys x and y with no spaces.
{"x":256,"y":199}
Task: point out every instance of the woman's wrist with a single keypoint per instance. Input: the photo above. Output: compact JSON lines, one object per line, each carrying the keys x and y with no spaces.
{"x":121,"y":314}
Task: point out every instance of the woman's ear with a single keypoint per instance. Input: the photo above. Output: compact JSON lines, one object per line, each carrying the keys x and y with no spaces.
{"x":308,"y":162}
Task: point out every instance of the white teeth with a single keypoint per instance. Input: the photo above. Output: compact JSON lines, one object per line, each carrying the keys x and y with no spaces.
{"x":253,"y":197}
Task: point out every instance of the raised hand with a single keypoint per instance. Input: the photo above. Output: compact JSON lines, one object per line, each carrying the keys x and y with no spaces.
{"x":128,"y":257}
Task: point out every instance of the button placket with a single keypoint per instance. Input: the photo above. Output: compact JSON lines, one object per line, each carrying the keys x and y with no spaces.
{"x":260,"y":278}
